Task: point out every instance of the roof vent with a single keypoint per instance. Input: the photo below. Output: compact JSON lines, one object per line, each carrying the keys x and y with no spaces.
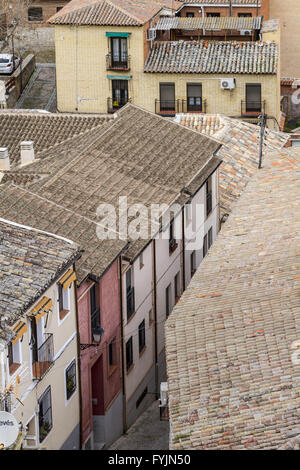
{"x":4,"y":159}
{"x":27,"y":152}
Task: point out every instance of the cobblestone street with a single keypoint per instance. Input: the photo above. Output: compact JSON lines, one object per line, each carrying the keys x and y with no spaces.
{"x":147,"y":433}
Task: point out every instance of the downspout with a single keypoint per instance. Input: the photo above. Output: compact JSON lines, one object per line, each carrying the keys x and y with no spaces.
{"x":76,"y":66}
{"x":79,"y":366}
{"x":183,"y":251}
{"x":203,"y":16}
{"x":155,"y":320}
{"x":122,"y":350}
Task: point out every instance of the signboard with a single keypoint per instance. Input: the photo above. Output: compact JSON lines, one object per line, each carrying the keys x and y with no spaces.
{"x":9,"y":429}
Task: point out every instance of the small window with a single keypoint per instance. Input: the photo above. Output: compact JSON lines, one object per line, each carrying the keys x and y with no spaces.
{"x":142,"y":336}
{"x":35,"y":14}
{"x":58,"y":9}
{"x":95,"y":309}
{"x":193,"y":263}
{"x":141,"y":258}
{"x":177,"y":286}
{"x":208,"y":194}
{"x":204,"y":246}
{"x":172,"y":240}
{"x":14,"y":356}
{"x":210,"y":238}
{"x":168,"y":300}
{"x":130,"y":299}
{"x":45,"y":414}
{"x":112,"y":355}
{"x":245,"y":15}
{"x":63,"y":301}
{"x":190,"y":14}
{"x":129,"y":354}
{"x":213,"y":15}
{"x":71,"y":379}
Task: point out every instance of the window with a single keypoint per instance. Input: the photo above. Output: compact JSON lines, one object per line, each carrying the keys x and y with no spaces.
{"x":94,"y":309}
{"x":142,"y":336}
{"x":119,"y":55}
{"x":210,"y":237}
{"x":194,"y":97}
{"x":14,"y":356}
{"x":208,"y":193}
{"x":112,"y":358}
{"x":129,"y":294}
{"x":190,"y":14}
{"x":71,"y":379}
{"x":45,"y":414}
{"x":245,"y":15}
{"x":193,"y":263}
{"x":35,"y":14}
{"x":213,"y":15}
{"x":58,"y":9}
{"x":141,"y":258}
{"x":119,"y":93}
{"x":168,"y":300}
{"x":253,"y":98}
{"x":129,"y":354}
{"x":63,"y":301}
{"x":204,"y":246}
{"x":177,"y":286}
{"x":172,"y":241}
{"x":167,"y":97}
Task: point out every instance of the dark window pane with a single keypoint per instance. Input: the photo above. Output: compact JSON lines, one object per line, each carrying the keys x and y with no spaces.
{"x":142,"y":338}
{"x":71,"y":379}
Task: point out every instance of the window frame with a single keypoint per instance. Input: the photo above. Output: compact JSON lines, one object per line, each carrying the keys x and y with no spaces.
{"x":44,"y":394}
{"x":72,"y":364}
{"x":36,"y":18}
{"x":129,"y":357}
{"x":142,"y":336}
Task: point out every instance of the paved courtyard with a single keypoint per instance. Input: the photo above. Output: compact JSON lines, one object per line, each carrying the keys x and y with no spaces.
{"x":40,"y":92}
{"x":147,"y":433}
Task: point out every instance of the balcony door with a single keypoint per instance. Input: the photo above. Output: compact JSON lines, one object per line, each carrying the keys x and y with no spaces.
{"x":253,"y":98}
{"x":119,"y":93}
{"x":167,"y":97}
{"x":194,"y":97}
{"x":119,"y":52}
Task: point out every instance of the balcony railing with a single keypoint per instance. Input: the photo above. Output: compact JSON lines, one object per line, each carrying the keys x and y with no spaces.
{"x":167,"y":107}
{"x":130,"y":302}
{"x":122,"y":65}
{"x":113,"y":106}
{"x":42,"y":358}
{"x":252,"y":108}
{"x":193,"y":105}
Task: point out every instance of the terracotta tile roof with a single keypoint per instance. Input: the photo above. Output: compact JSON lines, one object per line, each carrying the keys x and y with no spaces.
{"x":30,"y":261}
{"x":212,"y":57}
{"x":230,"y":339}
{"x":45,"y":129}
{"x":138,"y":155}
{"x":222,"y":2}
{"x":110,"y":12}
{"x":213,"y":23}
{"x":239,"y":152}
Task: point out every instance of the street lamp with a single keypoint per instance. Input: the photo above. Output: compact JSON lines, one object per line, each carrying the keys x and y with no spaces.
{"x":97,"y":334}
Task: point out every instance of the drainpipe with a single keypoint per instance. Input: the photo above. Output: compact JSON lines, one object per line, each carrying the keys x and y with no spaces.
{"x":183,"y":251}
{"x":203,"y":16}
{"x":122,"y":350}
{"x":155,"y":320}
{"x":79,"y":365}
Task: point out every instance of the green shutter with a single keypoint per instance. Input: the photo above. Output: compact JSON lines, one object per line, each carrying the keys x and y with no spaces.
{"x":117,"y":35}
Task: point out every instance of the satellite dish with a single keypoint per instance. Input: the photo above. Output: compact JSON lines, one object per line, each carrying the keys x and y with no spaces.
{"x":9,"y":429}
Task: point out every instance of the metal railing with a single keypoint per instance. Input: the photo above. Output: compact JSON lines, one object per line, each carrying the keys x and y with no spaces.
{"x":167,"y":107}
{"x":252,"y":108}
{"x":42,"y":357}
{"x":194,"y":105}
{"x":113,"y":106}
{"x":122,"y":64}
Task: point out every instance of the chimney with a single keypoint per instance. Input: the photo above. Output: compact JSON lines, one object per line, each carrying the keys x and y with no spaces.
{"x":27,"y":152}
{"x":4,"y":159}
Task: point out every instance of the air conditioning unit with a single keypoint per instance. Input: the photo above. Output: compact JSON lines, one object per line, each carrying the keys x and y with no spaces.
{"x":245,"y":32}
{"x":228,"y":83}
{"x":151,"y":34}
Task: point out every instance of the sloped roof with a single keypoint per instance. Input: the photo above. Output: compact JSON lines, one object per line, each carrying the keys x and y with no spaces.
{"x":209,"y":23}
{"x":30,"y":261}
{"x":45,"y":129}
{"x":138,"y":155}
{"x":239,"y":152}
{"x":233,"y":381}
{"x":110,"y":12}
{"x":222,"y":2}
{"x":212,"y":57}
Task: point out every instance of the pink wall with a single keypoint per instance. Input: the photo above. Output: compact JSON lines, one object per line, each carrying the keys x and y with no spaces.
{"x":108,"y":384}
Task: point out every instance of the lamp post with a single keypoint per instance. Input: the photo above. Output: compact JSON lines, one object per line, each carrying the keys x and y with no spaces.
{"x":97,"y":334}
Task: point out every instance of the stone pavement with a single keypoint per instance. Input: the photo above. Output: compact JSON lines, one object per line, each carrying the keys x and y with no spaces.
{"x":147,"y":433}
{"x":40,"y":92}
